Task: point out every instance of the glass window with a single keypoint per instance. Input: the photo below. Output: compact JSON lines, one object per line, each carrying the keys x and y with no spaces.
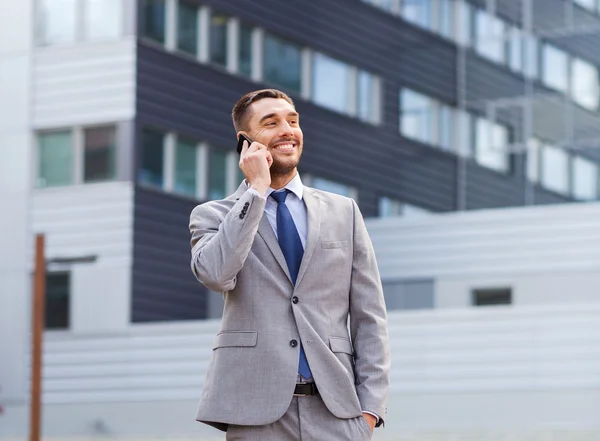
{"x":515,"y":49}
{"x":55,"y":159}
{"x":555,"y":71}
{"x":389,"y":207}
{"x":57,"y":22}
{"x":366,"y":97}
{"x":58,"y":288}
{"x":330,"y":83}
{"x":587,"y":4}
{"x":464,"y":31}
{"x":103,"y":19}
{"x":464,"y":134}
{"x":185,"y":167}
{"x":489,"y":36}
{"x":332,"y":187}
{"x":218,"y":39}
{"x":151,"y":171}
{"x":584,"y":84}
{"x":533,"y":160}
{"x":418,"y":12}
{"x":99,"y":154}
{"x":445,"y":25}
{"x":187,"y":28}
{"x":531,"y":57}
{"x":416,"y":116}
{"x":154,"y":20}
{"x":585,"y":179}
{"x":217,"y":174}
{"x":490,"y":145}
{"x":245,"y":48}
{"x":445,"y":127}
{"x":555,"y":169}
{"x":282,"y":63}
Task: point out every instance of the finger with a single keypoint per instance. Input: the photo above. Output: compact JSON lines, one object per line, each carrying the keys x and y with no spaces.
{"x":244,"y":148}
{"x":259,"y":146}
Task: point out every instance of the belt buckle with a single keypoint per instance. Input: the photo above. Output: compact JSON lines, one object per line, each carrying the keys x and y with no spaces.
{"x":301,"y":395}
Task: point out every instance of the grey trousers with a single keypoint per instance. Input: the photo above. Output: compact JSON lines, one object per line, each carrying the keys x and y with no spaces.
{"x":307,"y":419}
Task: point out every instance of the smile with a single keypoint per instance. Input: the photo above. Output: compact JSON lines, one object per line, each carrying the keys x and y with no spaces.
{"x":285,"y":147}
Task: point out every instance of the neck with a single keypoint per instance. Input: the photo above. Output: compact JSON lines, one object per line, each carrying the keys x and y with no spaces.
{"x":280,"y":181}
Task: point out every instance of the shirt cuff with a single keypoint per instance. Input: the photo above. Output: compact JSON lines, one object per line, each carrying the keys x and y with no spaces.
{"x":253,"y":191}
{"x":374,"y":414}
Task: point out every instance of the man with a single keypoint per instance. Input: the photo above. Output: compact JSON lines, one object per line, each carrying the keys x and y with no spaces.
{"x":292,"y":263}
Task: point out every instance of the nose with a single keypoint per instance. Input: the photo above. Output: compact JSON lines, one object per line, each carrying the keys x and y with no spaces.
{"x":286,"y":129}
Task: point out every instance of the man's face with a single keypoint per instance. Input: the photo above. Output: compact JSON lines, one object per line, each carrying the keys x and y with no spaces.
{"x":275,"y":123}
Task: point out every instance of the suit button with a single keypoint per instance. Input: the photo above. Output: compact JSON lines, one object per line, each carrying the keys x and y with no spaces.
{"x":293,"y":343}
{"x":247,"y":204}
{"x":242,"y":215}
{"x":294,"y":300}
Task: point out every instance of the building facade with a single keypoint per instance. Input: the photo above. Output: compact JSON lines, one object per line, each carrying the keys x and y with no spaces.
{"x":119,"y":124}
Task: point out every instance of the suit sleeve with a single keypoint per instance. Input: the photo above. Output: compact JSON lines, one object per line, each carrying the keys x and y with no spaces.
{"x":368,"y":324}
{"x":221,"y":239}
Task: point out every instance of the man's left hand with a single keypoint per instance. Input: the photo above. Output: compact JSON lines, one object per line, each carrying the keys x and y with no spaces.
{"x":371,"y":420}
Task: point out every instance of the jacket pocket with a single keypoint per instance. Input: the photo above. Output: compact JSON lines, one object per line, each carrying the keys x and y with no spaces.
{"x":340,"y":344}
{"x":335,"y":244}
{"x":235,"y":339}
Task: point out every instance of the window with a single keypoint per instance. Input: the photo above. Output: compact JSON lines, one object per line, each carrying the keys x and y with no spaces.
{"x":464,"y":32}
{"x":368,"y":99}
{"x":389,"y":207}
{"x":555,"y":169}
{"x":282,"y":63}
{"x":218,"y":39}
{"x":99,"y":154}
{"x":57,"y":21}
{"x":445,"y":18}
{"x":445,"y":127}
{"x":58,"y":288}
{"x":333,"y":187}
{"x":185,"y":167}
{"x":587,"y":4}
{"x":555,"y":71}
{"x":187,"y":28}
{"x":151,"y":171}
{"x":490,"y":145}
{"x":515,"y":49}
{"x":154,"y":20}
{"x":584,"y":84}
{"x":489,"y":36}
{"x":245,"y":50}
{"x":533,"y":160}
{"x":492,"y":296}
{"x":55,"y":159}
{"x":103,"y":18}
{"x":464,"y":133}
{"x":217,"y":174}
{"x":331,"y":81}
{"x":585,"y":179}
{"x":417,"y":114}
{"x":531,"y":57}
{"x":418,"y":12}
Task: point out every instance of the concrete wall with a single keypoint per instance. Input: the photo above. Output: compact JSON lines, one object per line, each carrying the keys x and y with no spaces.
{"x":547,"y":254}
{"x":15,"y":240}
{"x":91,"y":220}
{"x":530,"y":373}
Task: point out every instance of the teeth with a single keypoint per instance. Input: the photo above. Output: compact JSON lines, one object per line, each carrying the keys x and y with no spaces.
{"x":285,"y":146}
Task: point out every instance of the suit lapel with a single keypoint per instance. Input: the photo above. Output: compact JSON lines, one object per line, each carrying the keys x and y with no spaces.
{"x":266,"y":232}
{"x":313,"y":209}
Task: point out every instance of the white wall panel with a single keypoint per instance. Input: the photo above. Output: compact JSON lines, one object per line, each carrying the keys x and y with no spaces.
{"x":84,"y":84}
{"x":91,"y":220}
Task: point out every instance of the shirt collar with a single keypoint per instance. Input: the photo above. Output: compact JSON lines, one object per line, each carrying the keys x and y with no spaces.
{"x":295,"y":186}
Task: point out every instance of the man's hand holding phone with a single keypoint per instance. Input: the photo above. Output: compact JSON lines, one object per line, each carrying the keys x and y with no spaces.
{"x":255,"y":162}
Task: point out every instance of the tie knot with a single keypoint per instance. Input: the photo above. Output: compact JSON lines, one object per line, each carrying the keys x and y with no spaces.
{"x":280,"y":196}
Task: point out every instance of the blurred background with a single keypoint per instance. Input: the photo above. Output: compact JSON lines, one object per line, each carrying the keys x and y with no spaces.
{"x":467,"y":131}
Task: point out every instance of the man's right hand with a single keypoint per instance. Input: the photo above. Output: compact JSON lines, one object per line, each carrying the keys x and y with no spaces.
{"x":255,"y":162}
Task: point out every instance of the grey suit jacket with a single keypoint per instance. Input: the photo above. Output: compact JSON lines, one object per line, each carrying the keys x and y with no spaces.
{"x":254,"y":363}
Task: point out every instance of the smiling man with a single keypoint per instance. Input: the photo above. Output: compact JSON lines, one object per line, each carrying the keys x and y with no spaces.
{"x":303,"y":351}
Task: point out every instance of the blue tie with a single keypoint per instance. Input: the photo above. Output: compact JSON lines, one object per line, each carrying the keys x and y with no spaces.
{"x":289,"y":241}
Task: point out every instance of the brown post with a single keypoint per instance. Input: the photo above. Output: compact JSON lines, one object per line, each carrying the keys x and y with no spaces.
{"x":37,"y":327}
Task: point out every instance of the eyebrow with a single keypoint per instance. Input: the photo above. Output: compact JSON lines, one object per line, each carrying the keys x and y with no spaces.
{"x":272,"y":115}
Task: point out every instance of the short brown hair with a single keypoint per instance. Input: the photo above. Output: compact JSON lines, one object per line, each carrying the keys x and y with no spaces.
{"x":239,"y":114}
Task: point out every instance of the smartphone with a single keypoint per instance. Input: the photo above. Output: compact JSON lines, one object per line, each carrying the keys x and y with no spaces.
{"x":241,"y":143}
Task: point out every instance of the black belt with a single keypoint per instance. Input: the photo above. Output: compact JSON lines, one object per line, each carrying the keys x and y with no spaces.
{"x":304,"y":389}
